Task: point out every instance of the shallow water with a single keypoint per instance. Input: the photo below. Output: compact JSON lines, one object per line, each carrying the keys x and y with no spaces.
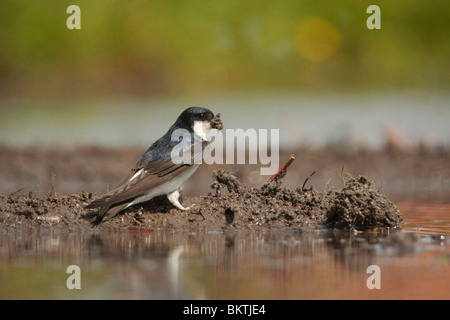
{"x":160,"y":264}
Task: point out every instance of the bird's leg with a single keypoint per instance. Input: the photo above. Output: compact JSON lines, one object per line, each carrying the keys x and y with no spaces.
{"x":174,"y":199}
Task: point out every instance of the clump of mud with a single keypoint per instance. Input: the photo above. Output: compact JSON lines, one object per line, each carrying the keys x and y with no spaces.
{"x":359,"y":206}
{"x":216,"y":122}
{"x":270,"y":206}
{"x":356,"y":206}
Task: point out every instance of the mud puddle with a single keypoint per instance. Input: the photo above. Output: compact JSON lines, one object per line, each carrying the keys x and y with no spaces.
{"x":226,"y":264}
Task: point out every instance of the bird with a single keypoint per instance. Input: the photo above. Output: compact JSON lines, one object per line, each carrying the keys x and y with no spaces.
{"x":155,"y":173}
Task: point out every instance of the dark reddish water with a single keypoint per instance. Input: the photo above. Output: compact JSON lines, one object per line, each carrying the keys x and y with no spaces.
{"x":413,"y":263}
{"x":426,"y":219}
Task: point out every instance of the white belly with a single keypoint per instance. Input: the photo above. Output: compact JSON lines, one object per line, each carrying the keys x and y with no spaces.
{"x":168,"y":187}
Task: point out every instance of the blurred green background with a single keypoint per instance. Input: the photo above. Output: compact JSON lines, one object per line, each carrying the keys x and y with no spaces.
{"x":179,"y":47}
{"x":135,"y":55}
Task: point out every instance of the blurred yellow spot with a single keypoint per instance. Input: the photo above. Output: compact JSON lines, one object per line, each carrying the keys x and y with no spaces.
{"x":316,"y":39}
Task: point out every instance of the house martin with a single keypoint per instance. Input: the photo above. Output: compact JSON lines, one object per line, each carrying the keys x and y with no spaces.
{"x":156,"y":173}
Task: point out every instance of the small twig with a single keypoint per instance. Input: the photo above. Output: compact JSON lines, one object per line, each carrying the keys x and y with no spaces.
{"x":17,"y":191}
{"x":342,"y":174}
{"x":53,"y":190}
{"x":283,"y":168}
{"x":380,"y":187}
{"x":304,"y":183}
{"x":326,"y":185}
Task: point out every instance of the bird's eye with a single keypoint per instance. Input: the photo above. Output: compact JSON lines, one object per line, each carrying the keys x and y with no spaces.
{"x":202,"y":116}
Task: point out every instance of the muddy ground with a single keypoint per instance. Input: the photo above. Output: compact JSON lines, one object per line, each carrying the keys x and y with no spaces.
{"x":350,"y":189}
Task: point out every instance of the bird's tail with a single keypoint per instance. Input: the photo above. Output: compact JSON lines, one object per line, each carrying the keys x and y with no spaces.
{"x":110,"y":212}
{"x":106,"y":212}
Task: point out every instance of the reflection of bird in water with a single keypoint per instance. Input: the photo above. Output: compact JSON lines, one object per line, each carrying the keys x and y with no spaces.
{"x":173,"y":263}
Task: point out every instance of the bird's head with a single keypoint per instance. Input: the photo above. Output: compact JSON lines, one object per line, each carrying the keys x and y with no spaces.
{"x":199,"y":120}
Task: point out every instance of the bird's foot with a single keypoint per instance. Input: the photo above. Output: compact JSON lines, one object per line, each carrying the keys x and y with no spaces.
{"x":186,"y":208}
{"x":174,"y":199}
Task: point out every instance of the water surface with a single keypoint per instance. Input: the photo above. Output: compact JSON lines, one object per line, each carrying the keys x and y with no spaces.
{"x":213,"y":264}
